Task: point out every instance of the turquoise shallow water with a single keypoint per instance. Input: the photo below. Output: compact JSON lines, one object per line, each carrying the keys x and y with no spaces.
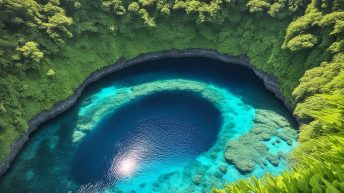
{"x":172,"y":125}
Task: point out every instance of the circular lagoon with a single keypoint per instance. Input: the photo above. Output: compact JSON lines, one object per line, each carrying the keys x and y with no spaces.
{"x":170,"y":125}
{"x":148,"y":135}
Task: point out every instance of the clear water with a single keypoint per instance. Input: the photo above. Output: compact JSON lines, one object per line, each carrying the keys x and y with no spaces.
{"x":166,"y":128}
{"x":157,"y":141}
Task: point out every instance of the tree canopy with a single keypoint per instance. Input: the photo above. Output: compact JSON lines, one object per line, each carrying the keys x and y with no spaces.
{"x":49,"y":47}
{"x":26,"y":27}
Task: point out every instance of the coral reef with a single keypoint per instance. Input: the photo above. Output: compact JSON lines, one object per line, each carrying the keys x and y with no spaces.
{"x":250,"y":142}
{"x":252,"y":149}
{"x":110,"y":99}
{"x":261,"y":148}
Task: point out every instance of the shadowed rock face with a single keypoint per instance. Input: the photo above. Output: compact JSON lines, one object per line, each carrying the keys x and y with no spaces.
{"x":252,"y":149}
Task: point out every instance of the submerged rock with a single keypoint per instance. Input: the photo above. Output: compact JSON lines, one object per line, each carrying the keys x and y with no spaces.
{"x":282,"y":155}
{"x":223,"y":168}
{"x":251,"y":150}
{"x":230,"y":125}
{"x":218,"y":174}
{"x":142,"y":185}
{"x":29,"y":175}
{"x":287,"y":135}
{"x":263,"y":164}
{"x":271,"y":118}
{"x":165,"y":177}
{"x":197,"y":179}
{"x":213,"y":155}
{"x":273,"y":159}
{"x":245,"y":153}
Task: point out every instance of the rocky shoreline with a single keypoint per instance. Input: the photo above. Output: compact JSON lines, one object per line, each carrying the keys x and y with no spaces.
{"x":270,"y":82}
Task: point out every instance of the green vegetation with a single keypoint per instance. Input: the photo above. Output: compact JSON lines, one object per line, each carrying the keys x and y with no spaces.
{"x":48,"y":47}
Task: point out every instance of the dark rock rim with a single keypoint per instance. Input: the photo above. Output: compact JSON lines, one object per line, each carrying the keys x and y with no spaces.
{"x":270,"y":82}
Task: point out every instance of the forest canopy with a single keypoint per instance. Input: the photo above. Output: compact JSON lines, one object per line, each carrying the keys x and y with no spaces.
{"x":49,"y":47}
{"x":29,"y":29}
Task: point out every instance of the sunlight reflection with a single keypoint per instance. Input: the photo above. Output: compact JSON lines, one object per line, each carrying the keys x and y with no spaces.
{"x":126,"y":167}
{"x":129,"y":161}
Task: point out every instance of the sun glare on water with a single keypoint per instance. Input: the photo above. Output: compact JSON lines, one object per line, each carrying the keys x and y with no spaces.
{"x":126,"y":167}
{"x":129,"y":162}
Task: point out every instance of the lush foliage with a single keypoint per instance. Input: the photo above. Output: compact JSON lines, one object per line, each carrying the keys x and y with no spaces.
{"x":26,"y":27}
{"x":323,"y":173}
{"x":317,"y":164}
{"x":48,"y":47}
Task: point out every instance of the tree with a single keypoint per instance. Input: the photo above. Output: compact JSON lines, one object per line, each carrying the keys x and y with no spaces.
{"x":258,"y":6}
{"x":29,"y":23}
{"x":204,"y":11}
{"x":147,"y":20}
{"x":56,"y":24}
{"x":278,"y":9}
{"x":336,"y":19}
{"x":165,"y":10}
{"x":115,"y":6}
{"x":314,"y":80}
{"x":50,"y":73}
{"x":30,"y":51}
{"x":302,"y":42}
{"x":146,"y":2}
{"x":133,"y":7}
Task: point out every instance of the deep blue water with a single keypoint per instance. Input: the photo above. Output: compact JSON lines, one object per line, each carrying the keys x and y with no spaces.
{"x":174,"y":126}
{"x":151,"y":143}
